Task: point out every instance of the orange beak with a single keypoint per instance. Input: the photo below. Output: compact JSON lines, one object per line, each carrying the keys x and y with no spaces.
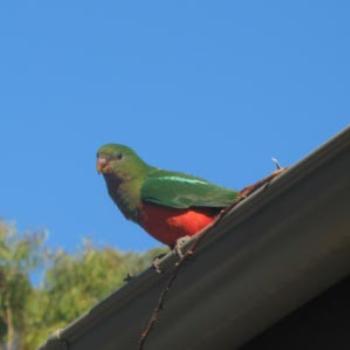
{"x":100,"y":164}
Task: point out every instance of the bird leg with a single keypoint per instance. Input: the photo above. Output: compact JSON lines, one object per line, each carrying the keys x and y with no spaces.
{"x":180,"y":243}
{"x":156,"y":262}
{"x":177,"y":249}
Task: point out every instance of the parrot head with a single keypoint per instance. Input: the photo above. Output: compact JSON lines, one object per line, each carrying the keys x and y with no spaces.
{"x":119,"y":161}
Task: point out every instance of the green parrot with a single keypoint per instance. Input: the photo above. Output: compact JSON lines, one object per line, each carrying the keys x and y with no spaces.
{"x":168,"y":205}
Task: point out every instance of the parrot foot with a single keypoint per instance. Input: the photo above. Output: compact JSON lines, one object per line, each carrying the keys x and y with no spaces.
{"x":180,"y":243}
{"x":156,"y":263}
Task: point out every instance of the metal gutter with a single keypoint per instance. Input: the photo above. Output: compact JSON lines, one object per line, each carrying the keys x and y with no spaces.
{"x":275,"y":251}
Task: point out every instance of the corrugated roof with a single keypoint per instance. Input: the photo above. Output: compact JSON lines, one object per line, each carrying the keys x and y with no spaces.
{"x":272,"y":253}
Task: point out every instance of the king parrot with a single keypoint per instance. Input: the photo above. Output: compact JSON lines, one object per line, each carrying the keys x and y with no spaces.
{"x":168,"y":205}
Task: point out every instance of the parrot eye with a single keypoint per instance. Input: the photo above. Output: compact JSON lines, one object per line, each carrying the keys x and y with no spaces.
{"x":119,"y":156}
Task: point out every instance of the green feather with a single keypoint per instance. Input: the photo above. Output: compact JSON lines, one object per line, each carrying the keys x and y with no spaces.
{"x":179,"y":190}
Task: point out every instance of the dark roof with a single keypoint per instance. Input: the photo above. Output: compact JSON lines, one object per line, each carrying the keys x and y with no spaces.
{"x":275,"y":251}
{"x":322,"y":324}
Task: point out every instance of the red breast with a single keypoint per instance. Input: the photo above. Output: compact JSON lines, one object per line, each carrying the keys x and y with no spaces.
{"x":169,"y":224}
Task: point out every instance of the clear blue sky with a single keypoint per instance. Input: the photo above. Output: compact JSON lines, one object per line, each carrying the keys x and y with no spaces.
{"x":213,"y":88}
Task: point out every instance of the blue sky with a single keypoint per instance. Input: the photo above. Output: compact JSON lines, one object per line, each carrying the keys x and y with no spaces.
{"x":213,"y":88}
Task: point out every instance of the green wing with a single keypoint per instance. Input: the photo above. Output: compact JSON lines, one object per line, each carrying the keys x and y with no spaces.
{"x":179,"y":190}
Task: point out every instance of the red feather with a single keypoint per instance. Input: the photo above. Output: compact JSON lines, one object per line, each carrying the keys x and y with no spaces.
{"x":169,"y":224}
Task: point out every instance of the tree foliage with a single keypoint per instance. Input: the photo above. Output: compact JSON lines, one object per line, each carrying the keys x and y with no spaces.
{"x":19,"y":256}
{"x":70,"y":286}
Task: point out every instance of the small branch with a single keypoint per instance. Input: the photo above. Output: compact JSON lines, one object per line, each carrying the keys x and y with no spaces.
{"x":247,"y":191}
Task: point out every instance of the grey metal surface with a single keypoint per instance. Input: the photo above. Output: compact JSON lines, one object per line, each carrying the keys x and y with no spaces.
{"x":275,"y":251}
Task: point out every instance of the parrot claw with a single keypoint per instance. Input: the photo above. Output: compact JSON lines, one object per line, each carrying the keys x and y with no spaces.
{"x":177,"y":249}
{"x":156,"y":263}
{"x":180,"y":243}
